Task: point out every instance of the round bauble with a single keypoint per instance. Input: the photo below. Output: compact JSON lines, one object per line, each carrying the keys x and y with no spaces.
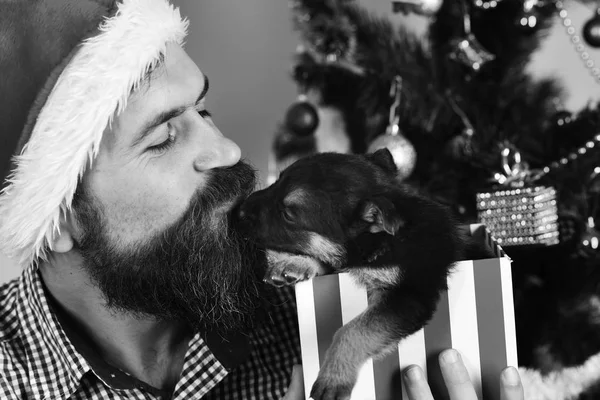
{"x":591,"y":31}
{"x":302,"y":118}
{"x":403,"y":152}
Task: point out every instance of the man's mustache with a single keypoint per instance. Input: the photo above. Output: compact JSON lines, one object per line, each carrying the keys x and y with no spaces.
{"x":228,"y":184}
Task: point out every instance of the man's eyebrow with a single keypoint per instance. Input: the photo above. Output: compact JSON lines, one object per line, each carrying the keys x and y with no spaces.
{"x":164,"y":116}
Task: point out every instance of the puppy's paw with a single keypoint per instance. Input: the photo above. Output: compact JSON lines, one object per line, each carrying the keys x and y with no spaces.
{"x":289,"y":269}
{"x":331,"y":387}
{"x":339,"y":370}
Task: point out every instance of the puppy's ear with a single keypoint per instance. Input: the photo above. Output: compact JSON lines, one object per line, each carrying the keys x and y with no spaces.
{"x":381,"y":215}
{"x":384,"y":159}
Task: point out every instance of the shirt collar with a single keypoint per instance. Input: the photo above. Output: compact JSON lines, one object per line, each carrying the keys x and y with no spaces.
{"x":231,"y":350}
{"x":49,"y":348}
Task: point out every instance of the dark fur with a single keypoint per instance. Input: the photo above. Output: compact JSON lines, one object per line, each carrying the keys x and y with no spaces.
{"x":397,"y":243}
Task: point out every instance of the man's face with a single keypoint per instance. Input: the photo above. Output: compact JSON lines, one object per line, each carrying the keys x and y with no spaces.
{"x":153,"y":212}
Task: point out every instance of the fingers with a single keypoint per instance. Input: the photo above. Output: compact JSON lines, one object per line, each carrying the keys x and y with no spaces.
{"x":296,"y":388}
{"x":458,"y":382}
{"x":510,"y":385}
{"x":416,"y":384}
{"x":454,"y":373}
{"x":456,"y":376}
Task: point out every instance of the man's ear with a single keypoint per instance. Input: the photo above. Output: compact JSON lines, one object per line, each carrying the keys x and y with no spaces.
{"x":63,"y":241}
{"x":384,"y":159}
{"x":381,"y":215}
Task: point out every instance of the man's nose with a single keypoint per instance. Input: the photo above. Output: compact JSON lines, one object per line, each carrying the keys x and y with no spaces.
{"x":217,"y":152}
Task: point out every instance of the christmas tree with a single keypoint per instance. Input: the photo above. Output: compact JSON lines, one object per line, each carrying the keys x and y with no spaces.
{"x":470,"y":128}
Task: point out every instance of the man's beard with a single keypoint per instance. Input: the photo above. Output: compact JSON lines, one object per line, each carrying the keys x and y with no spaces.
{"x":199,"y":271}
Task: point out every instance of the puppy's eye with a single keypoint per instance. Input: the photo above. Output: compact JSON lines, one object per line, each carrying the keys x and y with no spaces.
{"x":287,"y":214}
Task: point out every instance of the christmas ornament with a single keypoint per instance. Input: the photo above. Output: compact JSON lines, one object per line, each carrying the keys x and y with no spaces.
{"x":517,"y":212}
{"x":590,"y":239}
{"x":562,"y":118}
{"x":591,"y":30}
{"x":577,"y":42}
{"x":470,"y":52}
{"x":467,"y":50}
{"x":589,"y":242}
{"x":423,"y":7}
{"x":302,"y":118}
{"x":461,"y":146}
{"x":529,"y":18}
{"x":403,"y":152}
{"x":486,"y":4}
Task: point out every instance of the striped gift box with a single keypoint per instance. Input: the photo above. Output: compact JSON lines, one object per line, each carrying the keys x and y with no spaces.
{"x":475,"y":316}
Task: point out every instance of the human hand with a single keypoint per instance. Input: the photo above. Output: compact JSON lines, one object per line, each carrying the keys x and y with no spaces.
{"x":457,"y":380}
{"x":296,"y":389}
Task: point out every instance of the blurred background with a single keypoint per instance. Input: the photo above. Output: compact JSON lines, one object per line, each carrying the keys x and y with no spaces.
{"x":247,"y":47}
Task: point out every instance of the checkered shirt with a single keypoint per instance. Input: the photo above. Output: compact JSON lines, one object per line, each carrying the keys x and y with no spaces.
{"x":38,"y":361}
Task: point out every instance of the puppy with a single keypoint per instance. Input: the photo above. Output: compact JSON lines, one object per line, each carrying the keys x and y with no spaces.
{"x":336,"y":212}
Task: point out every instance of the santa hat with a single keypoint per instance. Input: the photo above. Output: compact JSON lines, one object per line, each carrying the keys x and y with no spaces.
{"x":67,"y":68}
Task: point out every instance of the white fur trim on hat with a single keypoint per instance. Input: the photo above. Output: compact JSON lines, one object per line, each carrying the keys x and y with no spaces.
{"x":94,"y":86}
{"x":567,"y":383}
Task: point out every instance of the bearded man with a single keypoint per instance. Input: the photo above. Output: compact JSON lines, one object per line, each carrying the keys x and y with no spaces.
{"x":117,"y":203}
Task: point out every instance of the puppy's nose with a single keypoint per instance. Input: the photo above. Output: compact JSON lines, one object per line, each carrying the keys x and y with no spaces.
{"x":249,"y":209}
{"x":243,"y":212}
{"x":246,"y":220}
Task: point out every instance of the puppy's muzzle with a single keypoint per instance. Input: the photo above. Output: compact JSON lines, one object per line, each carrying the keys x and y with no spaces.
{"x":246,"y":217}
